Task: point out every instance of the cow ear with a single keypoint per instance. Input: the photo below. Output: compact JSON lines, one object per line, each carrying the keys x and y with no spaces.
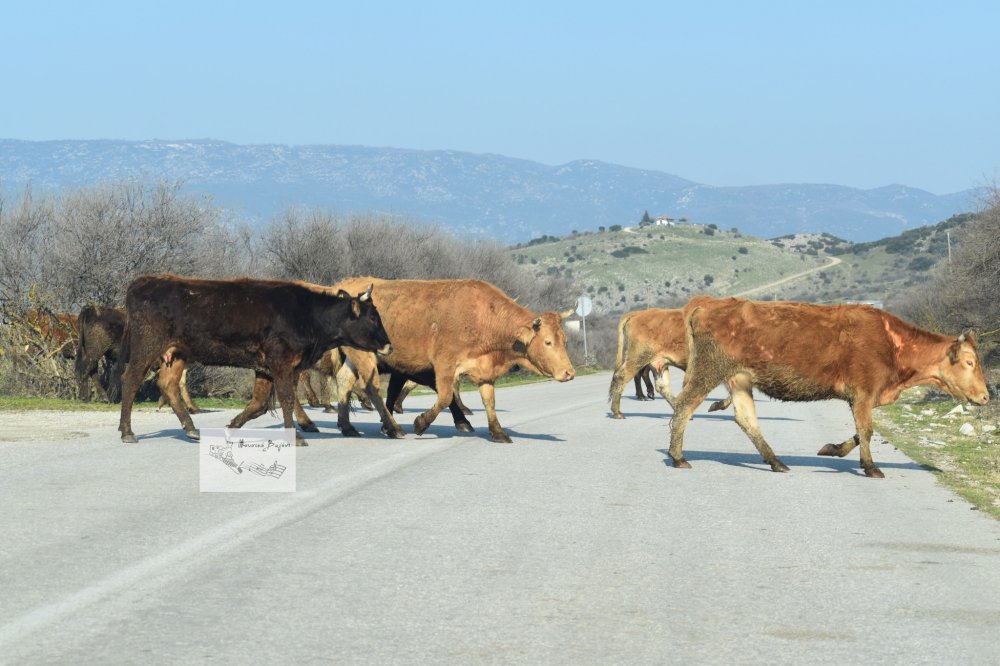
{"x":523,"y":337}
{"x":342,"y":294}
{"x":954,"y":348}
{"x":537,"y":324}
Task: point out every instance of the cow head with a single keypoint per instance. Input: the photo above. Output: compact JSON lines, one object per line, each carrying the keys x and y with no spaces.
{"x":543,"y":344}
{"x":961,"y":372}
{"x":363,"y":329}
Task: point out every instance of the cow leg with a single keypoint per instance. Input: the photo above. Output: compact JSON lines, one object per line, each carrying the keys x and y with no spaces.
{"x":399,"y":388}
{"x":644,"y":373}
{"x":639,"y":395}
{"x":303,"y":419}
{"x":305,"y":381}
{"x":169,"y":380}
{"x":741,"y":389}
{"x":456,"y":403}
{"x":86,"y":369}
{"x":488,"y":393}
{"x":444,"y":385}
{"x":862,"y":410}
{"x":662,"y":384}
{"x":629,"y":368}
{"x":693,"y":394}
{"x":839,"y":450}
{"x":260,"y":398}
{"x":346,"y":379}
{"x":132,"y":378}
{"x":185,"y":396}
{"x":284,"y":386}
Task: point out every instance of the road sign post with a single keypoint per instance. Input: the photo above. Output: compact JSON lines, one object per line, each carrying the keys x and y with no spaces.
{"x":583,"y":308}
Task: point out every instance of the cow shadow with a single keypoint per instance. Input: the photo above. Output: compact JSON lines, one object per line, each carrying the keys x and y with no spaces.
{"x":829,"y":465}
{"x":699,"y":416}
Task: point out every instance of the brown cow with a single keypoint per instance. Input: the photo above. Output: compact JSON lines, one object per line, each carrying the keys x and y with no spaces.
{"x":651,"y":338}
{"x":276,"y":328}
{"x":101,"y":329}
{"x":451,"y":327}
{"x":803,"y":352}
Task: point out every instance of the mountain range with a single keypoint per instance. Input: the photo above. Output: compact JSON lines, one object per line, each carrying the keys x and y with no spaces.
{"x":479,"y":195}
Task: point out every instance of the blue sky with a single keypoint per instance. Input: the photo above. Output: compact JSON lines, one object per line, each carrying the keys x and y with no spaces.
{"x":724,"y":93}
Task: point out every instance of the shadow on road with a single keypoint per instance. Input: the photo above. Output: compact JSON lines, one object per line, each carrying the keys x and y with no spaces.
{"x":754,"y":461}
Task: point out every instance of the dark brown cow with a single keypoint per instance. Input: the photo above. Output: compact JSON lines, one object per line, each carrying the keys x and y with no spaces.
{"x":803,"y":352}
{"x":454,"y":327}
{"x":101,"y":329}
{"x":651,"y":338}
{"x":276,"y":328}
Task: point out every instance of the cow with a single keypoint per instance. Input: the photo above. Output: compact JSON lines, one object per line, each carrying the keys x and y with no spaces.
{"x":652,"y":338}
{"x":100,"y":330}
{"x":276,"y":328}
{"x":444,"y":328}
{"x":803,"y":352}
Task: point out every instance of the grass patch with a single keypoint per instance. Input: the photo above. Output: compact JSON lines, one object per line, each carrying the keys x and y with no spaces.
{"x":921,"y":426}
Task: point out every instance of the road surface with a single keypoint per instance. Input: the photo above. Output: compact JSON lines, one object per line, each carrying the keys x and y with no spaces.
{"x":577,"y":544}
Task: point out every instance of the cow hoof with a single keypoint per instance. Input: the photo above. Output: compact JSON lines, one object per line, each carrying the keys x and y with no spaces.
{"x":329,"y":409}
{"x":397,"y":410}
{"x":195,"y":410}
{"x":464,"y":427}
{"x":466,"y":411}
{"x":349,"y":431}
{"x":618,"y":416}
{"x":393,"y":433}
{"x":314,"y":404}
{"x":501,"y":438}
{"x":830,"y":450}
{"x":129,"y":439}
{"x":419,"y":426}
{"x":193,"y":435}
{"x":299,"y":441}
{"x":367,"y":405}
{"x":717,"y":405}
{"x":680,"y":463}
{"x":779,"y":467}
{"x":874,"y":473}
{"x":309,"y":427}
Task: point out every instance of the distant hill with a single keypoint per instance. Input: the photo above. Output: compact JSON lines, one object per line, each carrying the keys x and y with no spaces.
{"x":487,"y":196}
{"x":653,"y":266}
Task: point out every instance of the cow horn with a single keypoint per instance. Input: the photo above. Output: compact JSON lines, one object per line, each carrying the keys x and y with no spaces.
{"x":568,"y":313}
{"x":367,"y":295}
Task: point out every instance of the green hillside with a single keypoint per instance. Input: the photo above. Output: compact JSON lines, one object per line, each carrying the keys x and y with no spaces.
{"x":663,"y":266}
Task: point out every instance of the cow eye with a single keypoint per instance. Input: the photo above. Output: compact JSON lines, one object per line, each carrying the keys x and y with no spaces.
{"x":970,"y":363}
{"x":548,"y":343}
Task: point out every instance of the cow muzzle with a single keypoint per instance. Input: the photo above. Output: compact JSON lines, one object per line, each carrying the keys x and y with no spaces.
{"x":566,"y":375}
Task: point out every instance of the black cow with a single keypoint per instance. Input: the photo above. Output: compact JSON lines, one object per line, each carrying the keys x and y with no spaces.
{"x":276,"y":328}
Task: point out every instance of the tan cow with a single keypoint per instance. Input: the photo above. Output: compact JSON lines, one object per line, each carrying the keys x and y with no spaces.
{"x":653,"y":337}
{"x":803,"y":352}
{"x":445,"y":328}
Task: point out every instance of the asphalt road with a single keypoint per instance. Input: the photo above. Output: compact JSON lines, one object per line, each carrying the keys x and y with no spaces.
{"x":577,"y":544}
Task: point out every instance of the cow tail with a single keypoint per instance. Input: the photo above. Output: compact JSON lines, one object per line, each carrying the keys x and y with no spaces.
{"x":83,"y":323}
{"x":115,"y":380}
{"x":689,"y":336}
{"x":622,"y":343}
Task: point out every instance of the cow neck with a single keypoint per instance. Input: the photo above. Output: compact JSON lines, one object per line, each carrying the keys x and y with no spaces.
{"x":502,"y":329}
{"x":918,"y":352}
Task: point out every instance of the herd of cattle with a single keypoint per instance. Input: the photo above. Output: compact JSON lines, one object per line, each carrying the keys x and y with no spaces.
{"x":433,"y":332}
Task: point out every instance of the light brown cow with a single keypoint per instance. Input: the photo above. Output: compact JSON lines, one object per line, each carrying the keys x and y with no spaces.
{"x":803,"y":352}
{"x":653,"y":337}
{"x":451,"y":327}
